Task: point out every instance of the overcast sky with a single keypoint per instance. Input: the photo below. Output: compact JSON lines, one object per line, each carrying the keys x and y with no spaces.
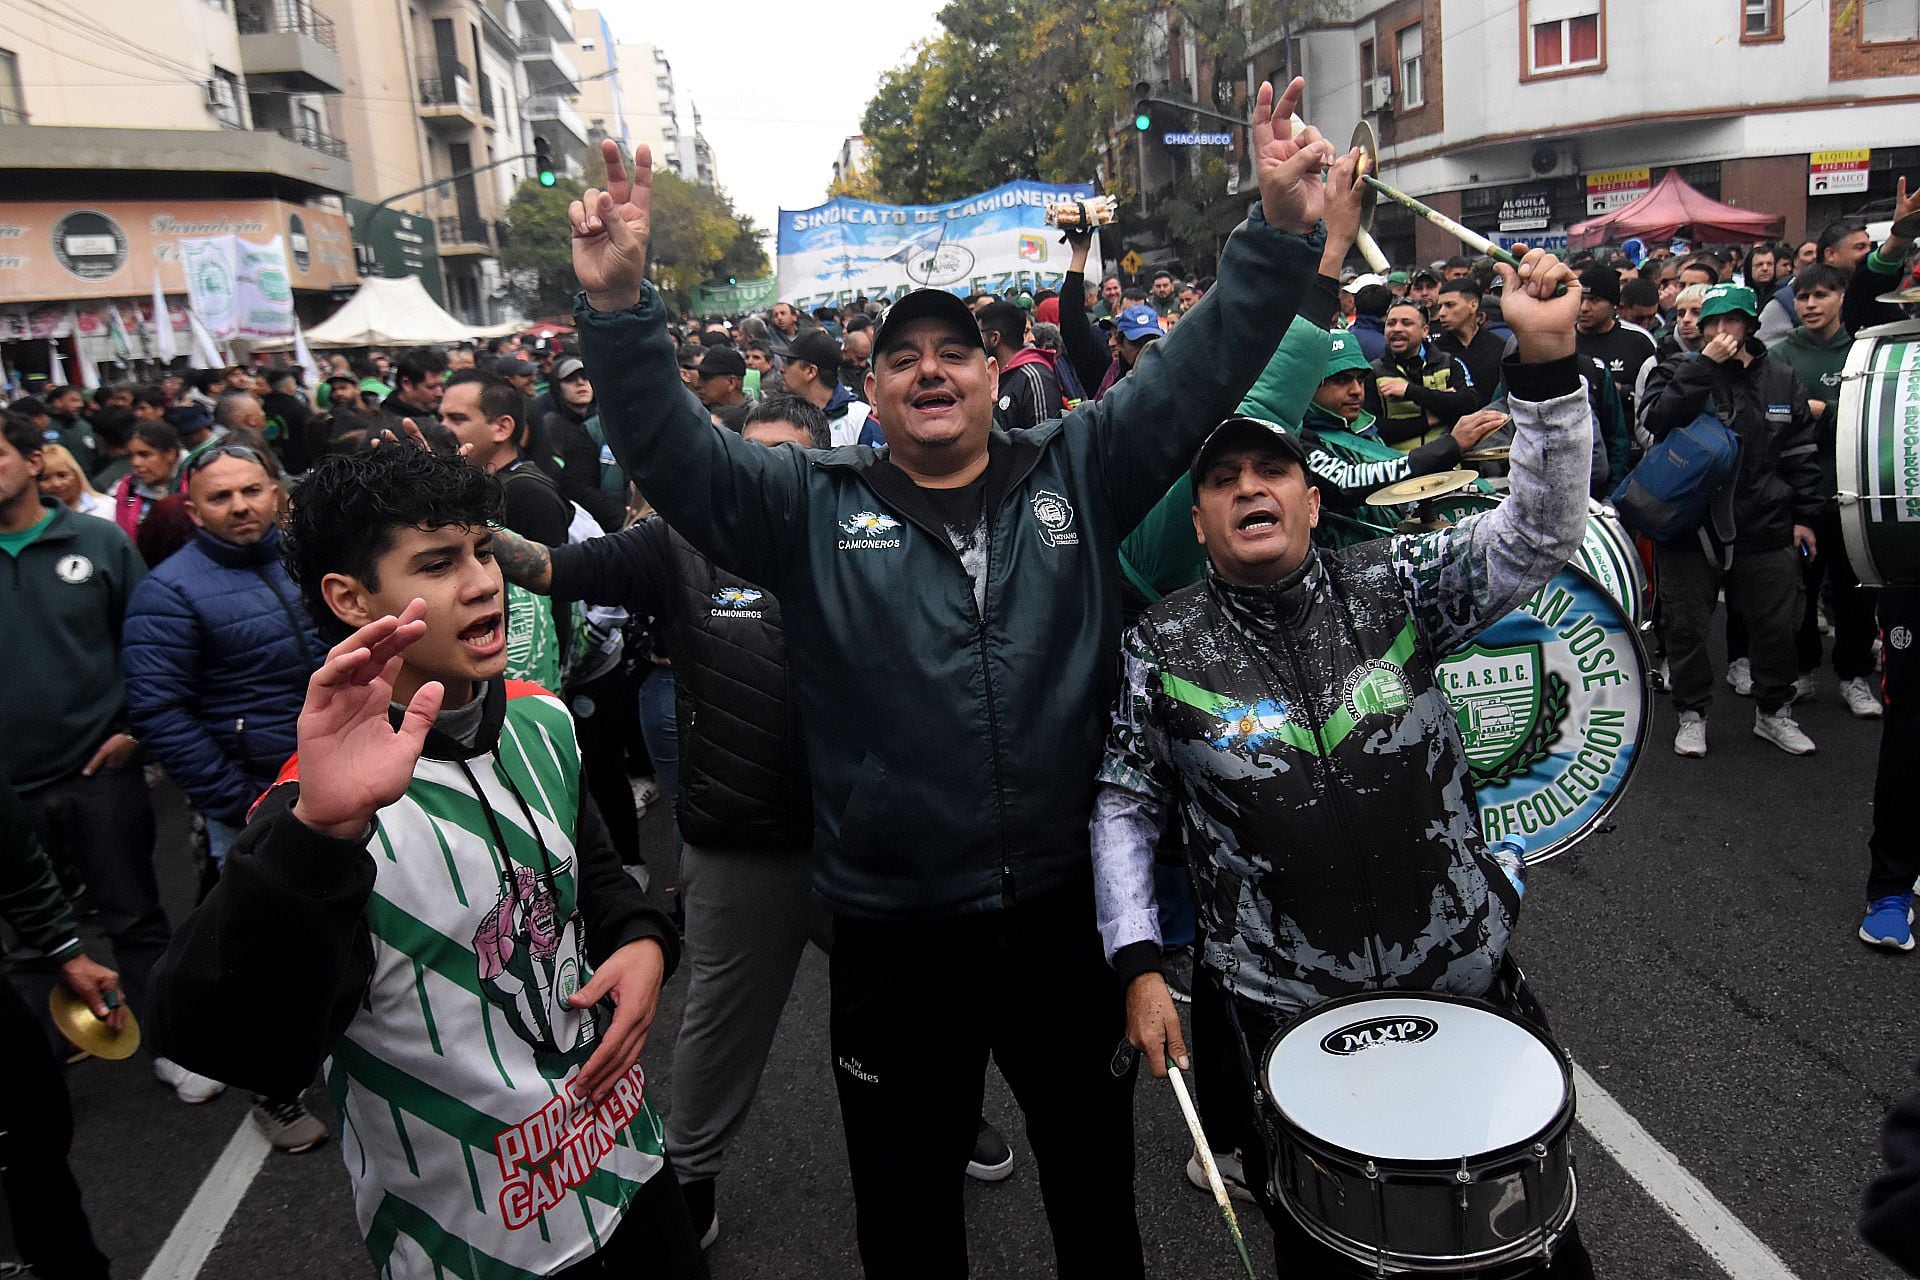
{"x":779,"y":86}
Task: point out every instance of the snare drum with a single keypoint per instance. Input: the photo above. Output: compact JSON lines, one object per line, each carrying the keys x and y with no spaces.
{"x":1420,"y":1133}
{"x":1878,"y":451}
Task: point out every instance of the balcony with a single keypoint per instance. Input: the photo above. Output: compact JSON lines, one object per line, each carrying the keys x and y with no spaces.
{"x":210,"y":155}
{"x":552,"y":16}
{"x":550,"y":109}
{"x":447,"y":98}
{"x":313,"y":139}
{"x":464,"y":236}
{"x":286,"y":46}
{"x":548,"y":63}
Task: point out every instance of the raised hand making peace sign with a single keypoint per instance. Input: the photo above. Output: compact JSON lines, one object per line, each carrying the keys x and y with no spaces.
{"x":610,"y":230}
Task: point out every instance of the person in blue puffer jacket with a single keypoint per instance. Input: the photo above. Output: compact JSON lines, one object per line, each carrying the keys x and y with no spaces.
{"x":217,"y":646}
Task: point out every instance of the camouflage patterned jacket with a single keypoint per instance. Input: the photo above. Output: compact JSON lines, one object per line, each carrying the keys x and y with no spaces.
{"x":1316,"y":766}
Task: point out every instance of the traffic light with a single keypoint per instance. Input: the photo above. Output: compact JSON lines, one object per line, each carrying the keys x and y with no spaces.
{"x":733,"y":280}
{"x":1142,"y":109}
{"x":543,"y":162}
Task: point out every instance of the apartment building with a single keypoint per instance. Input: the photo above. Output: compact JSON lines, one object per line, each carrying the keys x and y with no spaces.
{"x":127,"y":125}
{"x":1521,"y":119}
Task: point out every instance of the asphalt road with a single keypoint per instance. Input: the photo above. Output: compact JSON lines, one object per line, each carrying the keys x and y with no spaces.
{"x":1699,"y":960}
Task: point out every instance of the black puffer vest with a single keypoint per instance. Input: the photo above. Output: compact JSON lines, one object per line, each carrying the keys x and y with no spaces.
{"x":743,"y":766}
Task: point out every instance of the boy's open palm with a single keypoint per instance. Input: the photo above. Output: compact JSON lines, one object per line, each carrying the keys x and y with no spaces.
{"x":353,"y":762}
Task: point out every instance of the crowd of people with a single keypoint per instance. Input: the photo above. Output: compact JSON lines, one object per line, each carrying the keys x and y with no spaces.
{"x":419,"y":645}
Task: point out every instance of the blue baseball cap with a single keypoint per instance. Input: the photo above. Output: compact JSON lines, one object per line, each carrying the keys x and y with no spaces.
{"x":1138,"y":321}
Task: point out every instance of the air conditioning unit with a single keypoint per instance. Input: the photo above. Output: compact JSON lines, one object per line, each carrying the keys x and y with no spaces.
{"x":1378,"y":94}
{"x":1553,"y":162}
{"x":219,"y":93}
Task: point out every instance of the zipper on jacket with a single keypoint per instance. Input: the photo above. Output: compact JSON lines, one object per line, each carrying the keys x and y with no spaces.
{"x":993,"y":715}
{"x":1336,"y":804}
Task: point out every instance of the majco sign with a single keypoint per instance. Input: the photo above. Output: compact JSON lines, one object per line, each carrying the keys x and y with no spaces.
{"x":1552,"y":707}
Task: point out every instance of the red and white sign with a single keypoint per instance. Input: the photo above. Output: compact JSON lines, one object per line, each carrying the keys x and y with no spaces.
{"x":1616,"y":188}
{"x":1837,"y":171}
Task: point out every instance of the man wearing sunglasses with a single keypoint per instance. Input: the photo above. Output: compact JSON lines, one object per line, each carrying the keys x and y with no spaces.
{"x":217,"y":651}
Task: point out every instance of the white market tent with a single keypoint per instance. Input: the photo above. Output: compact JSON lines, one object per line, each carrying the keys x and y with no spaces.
{"x":395,"y":312}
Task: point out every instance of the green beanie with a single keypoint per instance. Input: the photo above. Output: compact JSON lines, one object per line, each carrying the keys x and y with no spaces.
{"x":1343,"y":355}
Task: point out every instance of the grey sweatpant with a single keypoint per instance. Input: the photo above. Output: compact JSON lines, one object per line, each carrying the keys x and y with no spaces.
{"x":750,"y":913}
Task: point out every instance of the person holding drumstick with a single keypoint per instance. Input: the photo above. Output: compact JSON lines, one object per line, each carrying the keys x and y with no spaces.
{"x":1287,"y":708}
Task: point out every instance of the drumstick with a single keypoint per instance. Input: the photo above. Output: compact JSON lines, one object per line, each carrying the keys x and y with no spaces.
{"x":1363,"y":241}
{"x":1206,"y":1162}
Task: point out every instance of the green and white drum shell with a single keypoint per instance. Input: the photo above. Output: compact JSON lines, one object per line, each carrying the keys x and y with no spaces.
{"x":1878,"y":452}
{"x":1606,"y":550}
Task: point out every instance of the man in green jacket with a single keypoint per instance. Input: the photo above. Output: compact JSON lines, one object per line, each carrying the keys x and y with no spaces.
{"x":951,"y":604}
{"x":1816,"y":351}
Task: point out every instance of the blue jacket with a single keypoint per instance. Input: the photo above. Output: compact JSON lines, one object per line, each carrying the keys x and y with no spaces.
{"x":218,"y":650}
{"x":1371,"y":331}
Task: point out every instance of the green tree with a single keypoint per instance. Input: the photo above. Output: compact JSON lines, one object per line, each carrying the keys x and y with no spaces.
{"x":693,"y":227}
{"x":746,"y":255}
{"x":537,"y":256}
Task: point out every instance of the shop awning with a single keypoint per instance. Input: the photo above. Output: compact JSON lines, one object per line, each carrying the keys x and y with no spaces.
{"x":1673,"y":208}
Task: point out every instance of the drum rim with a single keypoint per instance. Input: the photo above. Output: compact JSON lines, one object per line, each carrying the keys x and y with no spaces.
{"x":1550,"y":1234}
{"x":1642,"y":728}
{"x":1563,"y":1116}
{"x":1616,"y":532}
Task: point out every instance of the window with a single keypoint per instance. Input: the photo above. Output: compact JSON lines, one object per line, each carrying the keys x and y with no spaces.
{"x":586,"y":46}
{"x":1759,"y":19}
{"x":1412,"y":86}
{"x":226,"y":106}
{"x":1882,"y":21}
{"x":13,"y":106}
{"x":1366,"y":60}
{"x":1563,"y":35}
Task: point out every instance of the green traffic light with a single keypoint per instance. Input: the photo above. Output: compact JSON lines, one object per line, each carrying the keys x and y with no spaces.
{"x":546,"y":177}
{"x":1143,"y":122}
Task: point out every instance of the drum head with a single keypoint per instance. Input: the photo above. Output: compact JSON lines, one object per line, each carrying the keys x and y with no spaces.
{"x":1552,"y":707}
{"x":1879,"y":456}
{"x":1415,"y":1078}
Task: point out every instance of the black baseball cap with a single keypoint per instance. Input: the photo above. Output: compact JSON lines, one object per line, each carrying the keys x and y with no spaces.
{"x":816,"y":347}
{"x":723,"y":362}
{"x":1242,"y":432}
{"x":924,"y":304}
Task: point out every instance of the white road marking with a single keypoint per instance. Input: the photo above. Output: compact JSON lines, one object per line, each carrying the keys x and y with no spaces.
{"x":198,"y":1231}
{"x":1739,"y":1252}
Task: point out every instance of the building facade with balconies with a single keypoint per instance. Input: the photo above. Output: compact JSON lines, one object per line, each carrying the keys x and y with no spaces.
{"x":127,"y":125}
{"x":1522,"y":117}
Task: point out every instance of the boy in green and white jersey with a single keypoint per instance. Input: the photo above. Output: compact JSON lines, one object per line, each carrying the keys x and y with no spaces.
{"x":428,"y":902}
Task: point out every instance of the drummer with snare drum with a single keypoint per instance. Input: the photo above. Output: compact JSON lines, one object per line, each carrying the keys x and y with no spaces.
{"x":1347,"y":460}
{"x":1287,"y":708}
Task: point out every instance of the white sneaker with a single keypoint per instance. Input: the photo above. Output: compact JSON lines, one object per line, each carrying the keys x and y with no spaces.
{"x":1860,"y":698}
{"x":1232,"y":1175}
{"x":1782,"y":732}
{"x":1692,"y":738}
{"x":189,"y":1087}
{"x":1803,"y":688}
{"x":646,"y":791}
{"x":1740,"y":676}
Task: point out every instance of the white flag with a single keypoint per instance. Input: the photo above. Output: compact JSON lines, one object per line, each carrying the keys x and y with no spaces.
{"x":162,"y":347}
{"x":89,"y":376}
{"x":304,"y":358}
{"x":56,"y":370}
{"x":205,"y":355}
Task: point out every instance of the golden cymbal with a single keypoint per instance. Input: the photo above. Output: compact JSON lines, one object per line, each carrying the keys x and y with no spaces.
{"x":84,"y":1031}
{"x":1492,"y":453}
{"x":1420,"y":488}
{"x":1907,"y":228}
{"x":1910,"y":294}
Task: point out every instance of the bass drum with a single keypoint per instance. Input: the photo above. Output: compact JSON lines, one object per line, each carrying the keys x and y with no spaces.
{"x":1553,"y":704}
{"x":1606,"y":550}
{"x":1879,"y":454}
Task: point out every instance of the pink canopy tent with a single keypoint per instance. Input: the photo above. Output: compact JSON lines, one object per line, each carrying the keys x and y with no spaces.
{"x":1671,"y":208}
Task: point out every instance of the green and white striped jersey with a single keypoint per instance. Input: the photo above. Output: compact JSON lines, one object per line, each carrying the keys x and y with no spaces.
{"x":469,"y":1154}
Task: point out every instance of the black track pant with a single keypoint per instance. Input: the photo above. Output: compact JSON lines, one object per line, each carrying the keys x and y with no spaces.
{"x":917,"y":1008}
{"x":1894,"y":845}
{"x":36,"y":1129}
